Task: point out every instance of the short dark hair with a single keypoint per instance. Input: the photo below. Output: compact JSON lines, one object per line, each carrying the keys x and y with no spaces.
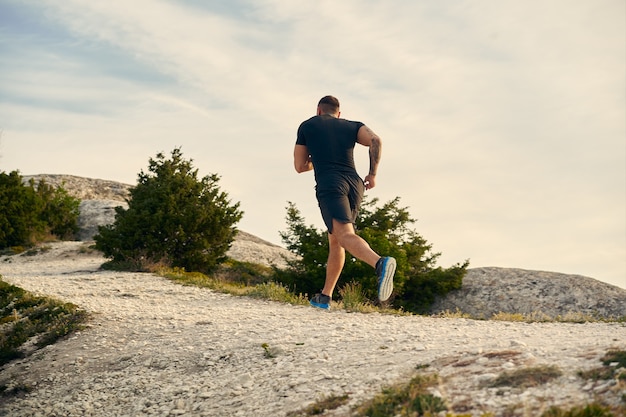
{"x":329,"y":104}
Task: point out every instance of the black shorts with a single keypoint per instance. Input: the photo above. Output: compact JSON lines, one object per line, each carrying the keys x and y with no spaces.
{"x":340,"y":198}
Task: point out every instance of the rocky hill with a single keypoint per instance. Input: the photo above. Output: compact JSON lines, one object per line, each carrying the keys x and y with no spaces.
{"x":485,"y":291}
{"x":100,"y":197}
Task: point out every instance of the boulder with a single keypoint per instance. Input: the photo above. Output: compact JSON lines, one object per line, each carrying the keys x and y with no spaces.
{"x":488,"y":291}
{"x":94,"y":213}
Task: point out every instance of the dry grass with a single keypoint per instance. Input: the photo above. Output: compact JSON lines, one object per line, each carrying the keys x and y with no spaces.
{"x":266,"y":290}
{"x":324,"y":404}
{"x":527,"y":377}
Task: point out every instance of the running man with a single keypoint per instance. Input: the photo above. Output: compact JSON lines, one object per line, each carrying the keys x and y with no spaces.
{"x":325,"y":144}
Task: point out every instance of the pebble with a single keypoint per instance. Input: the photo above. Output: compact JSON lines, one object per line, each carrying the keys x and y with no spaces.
{"x":158,"y":348}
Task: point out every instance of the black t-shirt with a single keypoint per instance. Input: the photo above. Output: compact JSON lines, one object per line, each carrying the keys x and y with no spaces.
{"x":330,"y":142}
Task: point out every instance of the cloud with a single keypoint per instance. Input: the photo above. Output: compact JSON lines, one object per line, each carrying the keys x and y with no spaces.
{"x":503,"y":122}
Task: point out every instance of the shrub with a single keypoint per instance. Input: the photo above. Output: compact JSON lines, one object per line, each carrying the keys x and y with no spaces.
{"x":173,"y":220}
{"x":59,"y":210}
{"x":417,"y":282}
{"x":31,"y":213}
{"x":25,"y":316}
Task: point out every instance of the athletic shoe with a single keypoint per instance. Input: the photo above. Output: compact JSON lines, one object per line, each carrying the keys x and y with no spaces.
{"x":320,"y":301}
{"x":385,"y":269}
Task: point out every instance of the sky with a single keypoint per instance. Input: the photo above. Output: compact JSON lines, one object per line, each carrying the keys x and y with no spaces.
{"x":503,"y":122}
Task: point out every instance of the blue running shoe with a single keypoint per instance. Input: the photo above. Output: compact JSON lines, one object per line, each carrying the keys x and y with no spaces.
{"x":385,"y":270}
{"x":320,"y":301}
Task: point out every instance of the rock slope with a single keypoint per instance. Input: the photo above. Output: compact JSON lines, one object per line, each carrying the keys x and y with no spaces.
{"x":488,"y":291}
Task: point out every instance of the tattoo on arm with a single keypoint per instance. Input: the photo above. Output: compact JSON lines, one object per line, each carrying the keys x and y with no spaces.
{"x":375,"y":149}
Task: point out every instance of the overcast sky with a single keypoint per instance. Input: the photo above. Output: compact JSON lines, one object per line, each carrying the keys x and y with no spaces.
{"x":503,"y":121}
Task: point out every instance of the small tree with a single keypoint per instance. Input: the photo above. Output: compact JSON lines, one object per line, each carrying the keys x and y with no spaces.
{"x":19,"y":222}
{"x":307,"y":272}
{"x":417,"y":281}
{"x":59,"y":210}
{"x":31,"y":213}
{"x":172,"y":219}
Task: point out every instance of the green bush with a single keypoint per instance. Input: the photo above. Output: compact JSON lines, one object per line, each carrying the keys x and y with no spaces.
{"x":59,"y":210}
{"x":31,"y":213}
{"x":173,"y":220}
{"x":417,"y":282}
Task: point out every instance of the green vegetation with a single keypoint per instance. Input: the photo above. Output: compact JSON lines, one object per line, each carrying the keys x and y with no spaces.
{"x":255,"y":280}
{"x":527,"y":377}
{"x":173,"y":219}
{"x":265,"y":289}
{"x":248,"y":279}
{"x":28,"y":318}
{"x":259,"y":284}
{"x":175,"y":223}
{"x":32,"y":213}
{"x":414,"y":398}
{"x":613,"y":366}
{"x":405,"y":400}
{"x":540,"y":317}
{"x":590,"y":410}
{"x":354,"y":299}
{"x":417,"y":282}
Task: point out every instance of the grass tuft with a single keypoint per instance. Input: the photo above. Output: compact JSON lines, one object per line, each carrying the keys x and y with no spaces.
{"x":540,"y":317}
{"x":269,"y":352}
{"x":457,"y":314}
{"x":275,"y":292}
{"x":589,"y":410}
{"x":331,"y":402}
{"x":28,"y":318}
{"x":614,"y":366}
{"x":408,"y":399}
{"x":354,"y":300}
{"x":527,"y":377}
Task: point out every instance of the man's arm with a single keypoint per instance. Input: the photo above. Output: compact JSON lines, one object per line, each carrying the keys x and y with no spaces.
{"x":302,"y":159}
{"x":367,"y":137}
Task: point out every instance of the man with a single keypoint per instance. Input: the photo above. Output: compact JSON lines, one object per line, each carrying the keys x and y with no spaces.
{"x":325,"y":144}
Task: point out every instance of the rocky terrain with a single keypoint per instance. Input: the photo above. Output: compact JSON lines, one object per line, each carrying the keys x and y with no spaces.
{"x":486,"y":291}
{"x":99,"y":199}
{"x":157,"y":348}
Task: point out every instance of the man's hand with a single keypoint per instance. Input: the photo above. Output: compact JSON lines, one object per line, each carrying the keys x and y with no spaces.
{"x":301,"y":159}
{"x":370,"y":181}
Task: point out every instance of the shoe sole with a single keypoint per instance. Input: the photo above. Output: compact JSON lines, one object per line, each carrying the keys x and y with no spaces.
{"x":385,"y":288}
{"x":320,"y":306}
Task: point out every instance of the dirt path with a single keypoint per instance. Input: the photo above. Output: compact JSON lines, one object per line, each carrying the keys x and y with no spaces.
{"x":158,"y":348}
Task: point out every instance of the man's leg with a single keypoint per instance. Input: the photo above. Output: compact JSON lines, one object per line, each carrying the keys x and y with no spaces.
{"x":334,"y":265}
{"x":353,"y":243}
{"x":360,"y":249}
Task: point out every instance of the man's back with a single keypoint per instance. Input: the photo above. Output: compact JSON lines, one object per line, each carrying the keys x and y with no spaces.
{"x":330,"y":142}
